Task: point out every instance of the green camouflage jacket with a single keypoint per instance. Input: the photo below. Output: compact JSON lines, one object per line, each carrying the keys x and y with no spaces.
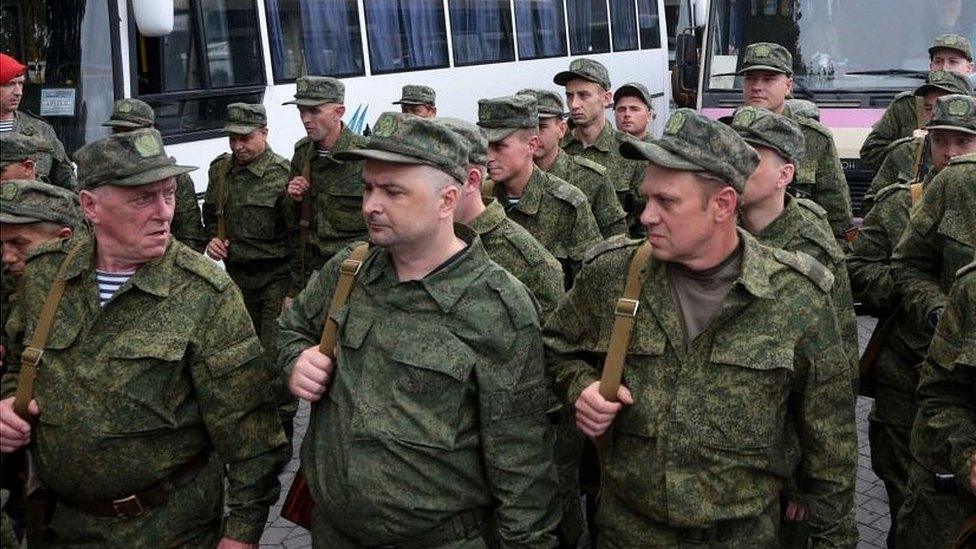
{"x":897,"y":167}
{"x":52,"y":162}
{"x":512,"y":247}
{"x":590,"y":177}
{"x":257,"y":213}
{"x":186,"y":226}
{"x":820,"y":177}
{"x":803,"y":227}
{"x":897,"y":121}
{"x":704,"y":440}
{"x":944,"y":435}
{"x":437,"y":403}
{"x":557,"y":215}
{"x":938,"y":240}
{"x":133,"y":390}
{"x":625,"y":175}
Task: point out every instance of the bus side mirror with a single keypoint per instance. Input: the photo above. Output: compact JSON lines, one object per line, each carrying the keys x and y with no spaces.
{"x":684,"y":76}
{"x":153,"y":17}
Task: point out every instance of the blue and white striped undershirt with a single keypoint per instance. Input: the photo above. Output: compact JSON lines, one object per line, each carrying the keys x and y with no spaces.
{"x":322,"y":152}
{"x":109,"y":283}
{"x":7,"y":125}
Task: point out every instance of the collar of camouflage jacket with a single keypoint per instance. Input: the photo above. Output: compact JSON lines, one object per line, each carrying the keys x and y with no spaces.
{"x":446,"y":285}
{"x":781,"y":230}
{"x":152,"y":277}
{"x":531,"y":196}
{"x":260,"y":164}
{"x":757,"y":267}
{"x":492,"y":217}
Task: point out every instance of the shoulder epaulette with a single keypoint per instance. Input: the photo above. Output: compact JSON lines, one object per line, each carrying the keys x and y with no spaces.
{"x":566,"y":192}
{"x":812,"y":206}
{"x":808,"y":267}
{"x":963,"y":159}
{"x":302,"y":142}
{"x":903,"y":95}
{"x":201,"y":266}
{"x":891,"y":190}
{"x":220,"y":158}
{"x":899,"y":142}
{"x":507,"y":286}
{"x":587,"y":163}
{"x":966,"y":269}
{"x":615,"y":242}
{"x":813,"y":125}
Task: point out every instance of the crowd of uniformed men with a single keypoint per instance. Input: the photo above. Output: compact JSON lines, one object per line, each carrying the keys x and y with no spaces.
{"x":515,"y":267}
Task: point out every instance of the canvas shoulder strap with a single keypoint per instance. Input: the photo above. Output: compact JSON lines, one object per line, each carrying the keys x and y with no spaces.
{"x":306,"y":209}
{"x":222,"y":191}
{"x":347,"y":276}
{"x":916,"y":191}
{"x":31,"y":356}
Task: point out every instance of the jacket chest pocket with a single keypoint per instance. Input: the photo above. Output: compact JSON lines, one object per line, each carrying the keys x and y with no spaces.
{"x":430,"y":382}
{"x":645,"y":376}
{"x":804,"y":185}
{"x":343,"y":200}
{"x":256,"y":215}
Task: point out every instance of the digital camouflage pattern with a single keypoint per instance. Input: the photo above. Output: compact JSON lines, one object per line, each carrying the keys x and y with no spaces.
{"x":415,"y":94}
{"x":17,"y":147}
{"x":127,"y":159}
{"x":704,"y":440}
{"x":591,"y":178}
{"x":502,"y":116}
{"x":898,"y":167}
{"x":945,"y":427}
{"x":244,"y":118}
{"x":938,"y":240}
{"x":312,"y":91}
{"x":945,"y":81}
{"x":133,"y":390}
{"x":952,"y":42}
{"x":767,"y":129}
{"x":557,"y":215}
{"x":587,"y":69}
{"x":23,"y":202}
{"x":955,"y":112}
{"x":52,"y":163}
{"x":131,"y":113}
{"x":511,"y":246}
{"x":633,"y":89}
{"x":625,"y":175}
{"x":802,"y":107}
{"x":766,"y":56}
{"x":262,"y":235}
{"x":477,"y":144}
{"x":548,"y":103}
{"x":438,"y":396}
{"x":186,"y":225}
{"x":336,"y":195}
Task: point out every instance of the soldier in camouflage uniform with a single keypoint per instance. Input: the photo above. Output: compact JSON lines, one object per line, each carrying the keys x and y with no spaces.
{"x":633,"y":110}
{"x":252,"y":230}
{"x":588,"y":95}
{"x":767,"y":71}
{"x":709,"y":398}
{"x":585,"y":175}
{"x":52,"y":163}
{"x":778,"y":220}
{"x":506,"y":242}
{"x":556,"y":213}
{"x":148,"y":406}
{"x":949,"y":52}
{"x":418,"y":100}
{"x":901,"y":163}
{"x":905,"y":340}
{"x":333,"y":188}
{"x":131,"y":114}
{"x":945,"y":428}
{"x":431,"y":422}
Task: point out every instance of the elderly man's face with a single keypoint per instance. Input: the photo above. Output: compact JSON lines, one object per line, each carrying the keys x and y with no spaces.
{"x":17,"y":241}
{"x":11,"y":94}
{"x":132,"y":221}
{"x":404,"y":204}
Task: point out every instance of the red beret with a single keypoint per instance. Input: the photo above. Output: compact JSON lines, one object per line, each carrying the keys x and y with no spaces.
{"x":10,"y":68}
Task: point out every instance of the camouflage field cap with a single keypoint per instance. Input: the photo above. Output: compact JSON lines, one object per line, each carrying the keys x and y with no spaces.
{"x":766,"y":56}
{"x":244,"y":118}
{"x":952,"y":42}
{"x":765,"y":128}
{"x":126,"y":160}
{"x":694,"y":143}
{"x":500,"y":117}
{"x":414,"y":94}
{"x":131,"y":113}
{"x":312,"y":91}
{"x":472,"y":134}
{"x":23,"y":202}
{"x":633,"y":89}
{"x":409,"y":139}
{"x":803,"y":108}
{"x":954,"y":112}
{"x":16,"y":147}
{"x":548,"y":103}
{"x":587,"y":69}
{"x":947,"y":81}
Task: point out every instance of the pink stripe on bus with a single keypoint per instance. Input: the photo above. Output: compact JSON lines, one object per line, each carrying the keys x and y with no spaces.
{"x":832,"y":118}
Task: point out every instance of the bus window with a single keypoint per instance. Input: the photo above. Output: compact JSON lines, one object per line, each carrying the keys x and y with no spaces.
{"x":481,"y":31}
{"x":541,"y":28}
{"x":624,"y":18}
{"x":68,"y":52}
{"x":588,"y":29}
{"x":211,"y":59}
{"x":323,"y":35}
{"x":405,"y":35}
{"x":649,"y":22}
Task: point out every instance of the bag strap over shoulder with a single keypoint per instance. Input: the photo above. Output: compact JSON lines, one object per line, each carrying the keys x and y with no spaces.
{"x":347,"y":276}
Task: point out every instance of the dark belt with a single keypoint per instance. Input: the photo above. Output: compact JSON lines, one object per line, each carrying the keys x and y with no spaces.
{"x":137,"y":504}
{"x":463,"y":525}
{"x":719,"y":531}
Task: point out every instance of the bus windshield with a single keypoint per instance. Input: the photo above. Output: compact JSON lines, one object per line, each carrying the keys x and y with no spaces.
{"x":837,"y":45}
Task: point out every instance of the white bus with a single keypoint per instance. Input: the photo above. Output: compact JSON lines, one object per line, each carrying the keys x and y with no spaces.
{"x":84,"y":54}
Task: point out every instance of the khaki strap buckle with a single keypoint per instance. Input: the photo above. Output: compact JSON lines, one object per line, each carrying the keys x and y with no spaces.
{"x":350,"y":267}
{"x":627,"y":307}
{"x":32,"y":356}
{"x":124,"y":507}
{"x":303,"y":223}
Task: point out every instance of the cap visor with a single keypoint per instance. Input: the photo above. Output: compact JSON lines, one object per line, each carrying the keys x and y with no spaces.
{"x":13,"y":219}
{"x":762,"y":68}
{"x":376,"y":154}
{"x":562,"y":78}
{"x":953,"y":128}
{"x":641,"y":150}
{"x":151,"y":176}
{"x":411,"y":102}
{"x":926,"y":88}
{"x":115,"y":123}
{"x":239,"y":129}
{"x":494,"y":135}
{"x":308,"y":102}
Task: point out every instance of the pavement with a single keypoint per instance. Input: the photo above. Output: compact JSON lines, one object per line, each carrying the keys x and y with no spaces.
{"x":872,"y":501}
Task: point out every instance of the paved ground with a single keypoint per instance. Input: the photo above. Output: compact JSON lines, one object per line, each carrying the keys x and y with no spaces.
{"x":872,"y":502}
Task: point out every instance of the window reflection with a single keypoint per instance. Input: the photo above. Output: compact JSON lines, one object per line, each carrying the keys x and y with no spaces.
{"x":588,"y":28}
{"x":541,"y":28}
{"x":481,"y":31}
{"x":405,"y":35}
{"x":322,"y":35}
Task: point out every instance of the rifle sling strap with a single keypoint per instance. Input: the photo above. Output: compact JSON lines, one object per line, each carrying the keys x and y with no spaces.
{"x":347,"y":277}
